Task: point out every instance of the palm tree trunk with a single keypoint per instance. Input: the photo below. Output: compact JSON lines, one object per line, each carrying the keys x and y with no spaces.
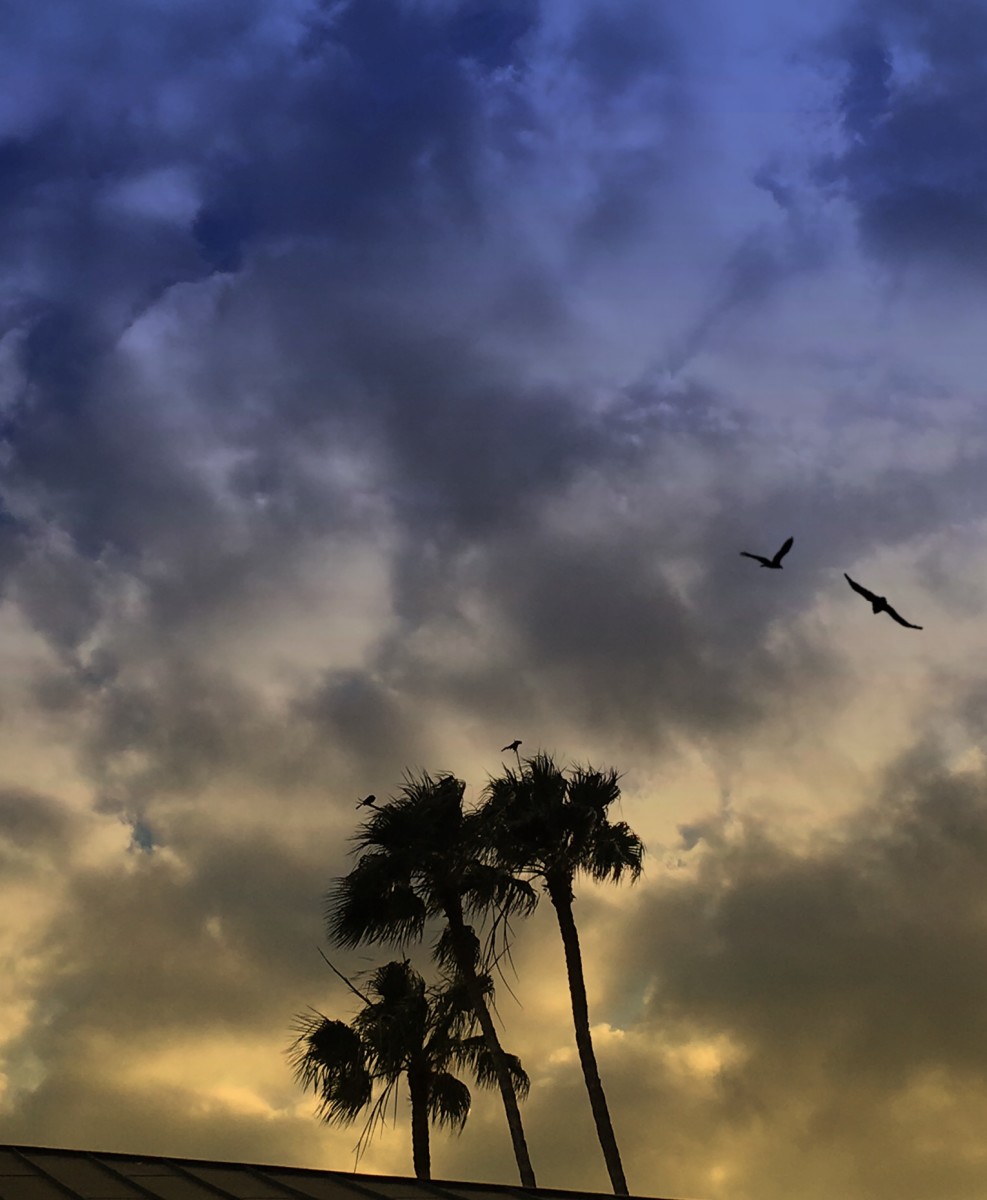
{"x":560,"y":893}
{"x":463,"y":948}
{"x":418,"y":1094}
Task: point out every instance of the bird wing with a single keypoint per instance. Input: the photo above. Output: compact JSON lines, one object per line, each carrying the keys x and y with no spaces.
{"x":857,"y":588}
{"x":784,"y":550}
{"x":759,"y":557}
{"x":900,"y":619}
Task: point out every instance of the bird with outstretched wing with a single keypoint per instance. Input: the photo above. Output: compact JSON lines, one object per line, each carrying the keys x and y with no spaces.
{"x":773,"y":563}
{"x":879,"y":604}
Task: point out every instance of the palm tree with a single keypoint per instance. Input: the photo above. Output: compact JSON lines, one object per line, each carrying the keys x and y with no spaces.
{"x":421,"y":861}
{"x":553,"y":827}
{"x":404,"y":1029}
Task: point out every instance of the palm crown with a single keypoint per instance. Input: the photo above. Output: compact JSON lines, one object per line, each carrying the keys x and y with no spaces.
{"x":421,"y":853}
{"x":404,"y":1029}
{"x":550,"y":825}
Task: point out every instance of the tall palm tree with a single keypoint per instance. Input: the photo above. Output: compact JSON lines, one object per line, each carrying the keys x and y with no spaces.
{"x":420,"y":860}
{"x":404,"y":1029}
{"x":552,"y":826}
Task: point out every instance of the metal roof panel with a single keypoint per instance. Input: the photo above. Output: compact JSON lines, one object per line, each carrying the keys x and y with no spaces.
{"x":82,"y":1177}
{"x":239,"y":1182}
{"x":92,"y":1175}
{"x":29,"y":1187}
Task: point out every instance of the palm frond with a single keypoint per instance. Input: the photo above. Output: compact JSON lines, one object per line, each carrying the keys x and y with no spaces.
{"x":446,"y":951}
{"x":423,"y":806}
{"x":394,"y":1023}
{"x":453,"y":1015}
{"x":519,"y":1076}
{"x":329,"y":1058}
{"x":396,"y":825}
{"x":476,"y":1054}
{"x":614,"y":850}
{"x":377,"y":1116}
{"x":397,"y":983}
{"x":487,"y":886}
{"x":374,"y":903}
{"x":449,"y":1101}
{"x":546,"y":780}
{"x":593,"y":789}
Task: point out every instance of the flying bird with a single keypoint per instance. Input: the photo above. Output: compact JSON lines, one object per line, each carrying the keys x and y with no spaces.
{"x":773,"y":563}
{"x":879,"y":604}
{"x":368,"y":802}
{"x":513,"y":746}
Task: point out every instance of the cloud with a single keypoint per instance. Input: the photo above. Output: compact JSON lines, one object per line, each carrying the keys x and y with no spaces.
{"x":33,"y":827}
{"x":384,"y":381}
{"x":841,"y":969}
{"x":911,"y":109}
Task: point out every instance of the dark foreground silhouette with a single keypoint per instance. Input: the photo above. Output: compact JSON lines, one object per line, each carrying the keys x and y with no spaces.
{"x":879,"y":604}
{"x":368,"y":802}
{"x":773,"y":563}
{"x":513,"y":746}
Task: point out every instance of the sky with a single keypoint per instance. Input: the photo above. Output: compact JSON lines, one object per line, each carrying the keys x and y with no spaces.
{"x":385,"y":380}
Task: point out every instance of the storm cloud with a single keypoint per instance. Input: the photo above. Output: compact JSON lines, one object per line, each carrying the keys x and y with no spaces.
{"x":383,"y":381}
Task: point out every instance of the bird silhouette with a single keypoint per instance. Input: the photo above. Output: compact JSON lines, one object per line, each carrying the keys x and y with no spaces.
{"x":879,"y":604}
{"x":773,"y":563}
{"x":368,"y":802}
{"x":513,"y":746}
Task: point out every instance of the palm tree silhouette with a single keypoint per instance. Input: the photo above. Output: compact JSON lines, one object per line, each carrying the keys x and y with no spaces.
{"x":553,"y":827}
{"x":404,"y":1029}
{"x":420,"y":860}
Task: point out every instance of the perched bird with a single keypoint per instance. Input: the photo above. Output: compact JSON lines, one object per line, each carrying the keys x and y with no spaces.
{"x":879,"y":604}
{"x":513,"y":746}
{"x":368,"y":802}
{"x":773,"y":563}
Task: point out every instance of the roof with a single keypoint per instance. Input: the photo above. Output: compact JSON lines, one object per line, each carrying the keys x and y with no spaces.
{"x":38,"y":1173}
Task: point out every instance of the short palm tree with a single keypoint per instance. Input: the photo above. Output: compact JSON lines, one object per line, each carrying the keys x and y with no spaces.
{"x":404,"y":1029}
{"x":420,"y":861}
{"x":552,"y":826}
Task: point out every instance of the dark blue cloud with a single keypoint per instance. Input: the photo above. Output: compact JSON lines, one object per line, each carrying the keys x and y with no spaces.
{"x":56,"y":355}
{"x":615,"y":45}
{"x":371,"y":131}
{"x":368,"y":130}
{"x":489,"y":32}
{"x":221,"y":231}
{"x":22,"y":165}
{"x":142,"y":839}
{"x":914,"y":168}
{"x":866,"y":95}
{"x":369,"y":139}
